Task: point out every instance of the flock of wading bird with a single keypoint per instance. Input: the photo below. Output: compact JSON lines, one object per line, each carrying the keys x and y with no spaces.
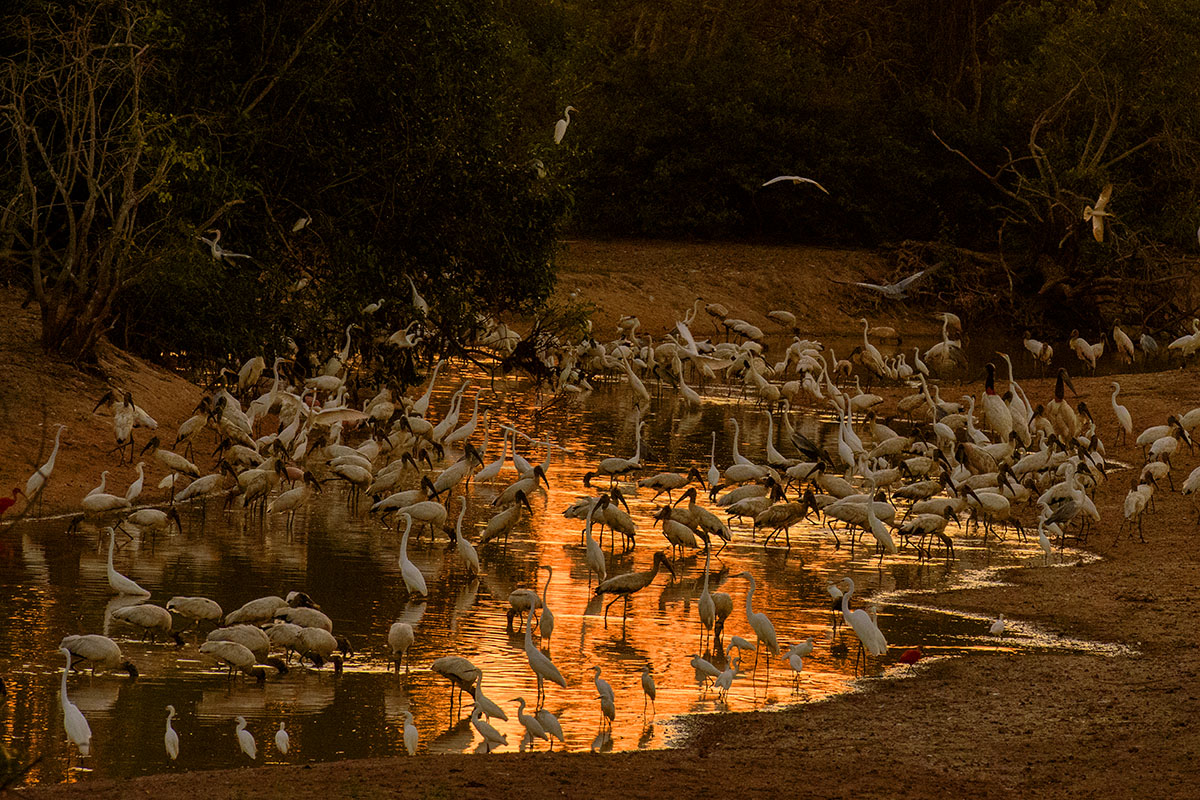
{"x":997,"y":462}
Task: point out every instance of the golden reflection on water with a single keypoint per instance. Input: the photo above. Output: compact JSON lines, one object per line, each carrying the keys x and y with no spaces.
{"x":54,"y":584}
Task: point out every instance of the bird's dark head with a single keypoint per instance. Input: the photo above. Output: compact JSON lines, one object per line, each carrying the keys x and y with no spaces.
{"x":278,"y":664}
{"x":587,"y":479}
{"x":107,"y":397}
{"x":152,"y":444}
{"x":522,"y":499}
{"x":538,"y":472}
{"x":130,"y":668}
{"x":178,"y":641}
{"x":690,"y":494}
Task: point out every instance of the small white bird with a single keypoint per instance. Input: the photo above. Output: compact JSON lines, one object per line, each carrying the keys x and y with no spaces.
{"x":491,"y":736}
{"x":282,"y":741}
{"x":796,"y":179}
{"x":246,"y":739}
{"x":608,"y":706}
{"x":649,"y":690}
{"x":410,"y":734}
{"x":171,"y":738}
{"x":997,"y":628}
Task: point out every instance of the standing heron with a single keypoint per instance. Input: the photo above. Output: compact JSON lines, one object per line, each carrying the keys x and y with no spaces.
{"x":542,"y":665}
{"x":608,"y":703}
{"x":170,"y":737}
{"x":764,"y":630}
{"x":75,"y":724}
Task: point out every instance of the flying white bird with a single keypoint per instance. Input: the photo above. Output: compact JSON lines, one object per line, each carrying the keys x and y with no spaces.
{"x":1098,"y":212}
{"x":796,"y":179}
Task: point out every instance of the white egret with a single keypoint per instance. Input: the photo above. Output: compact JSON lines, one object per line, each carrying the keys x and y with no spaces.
{"x":867,"y":631}
{"x":410,"y":733}
{"x":75,"y":724}
{"x":533,"y":727}
{"x":414,"y":581}
{"x":608,"y":705}
{"x":170,"y":737}
{"x":560,"y":127}
{"x":282,"y":740}
{"x":491,"y":736}
{"x":246,"y":739}
{"x":649,"y":690}
{"x":118,"y":582}
{"x":542,"y":665}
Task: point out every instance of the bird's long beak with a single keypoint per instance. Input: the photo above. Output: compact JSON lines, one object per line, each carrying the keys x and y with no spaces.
{"x":1067,"y":381}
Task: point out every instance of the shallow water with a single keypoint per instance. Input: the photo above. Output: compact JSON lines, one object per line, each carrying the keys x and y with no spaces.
{"x":53,"y":584}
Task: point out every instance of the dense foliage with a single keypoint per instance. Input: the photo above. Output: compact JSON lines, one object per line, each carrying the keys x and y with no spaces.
{"x":416,"y":138}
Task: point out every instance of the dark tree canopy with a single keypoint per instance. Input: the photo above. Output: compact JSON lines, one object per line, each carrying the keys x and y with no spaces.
{"x":414,"y":140}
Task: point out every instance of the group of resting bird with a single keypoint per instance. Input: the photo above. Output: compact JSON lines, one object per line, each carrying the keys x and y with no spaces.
{"x":976,"y":460}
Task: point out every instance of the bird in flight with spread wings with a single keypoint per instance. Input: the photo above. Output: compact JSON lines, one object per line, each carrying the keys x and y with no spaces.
{"x":892,"y":291}
{"x":796,"y":179}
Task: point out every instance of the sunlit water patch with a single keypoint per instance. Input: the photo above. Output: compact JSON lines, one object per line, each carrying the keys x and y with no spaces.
{"x":54,"y":584}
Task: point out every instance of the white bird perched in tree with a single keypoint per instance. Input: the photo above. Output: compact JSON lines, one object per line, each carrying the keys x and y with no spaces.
{"x":170,"y":737}
{"x":608,"y":703}
{"x":75,"y":724}
{"x":560,"y":127}
{"x":1098,"y":213}
{"x":796,"y":179}
{"x":411,"y":734}
{"x":246,"y":739}
{"x":282,"y":741}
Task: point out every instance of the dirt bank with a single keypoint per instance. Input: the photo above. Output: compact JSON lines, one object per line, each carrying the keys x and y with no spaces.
{"x":987,"y":725}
